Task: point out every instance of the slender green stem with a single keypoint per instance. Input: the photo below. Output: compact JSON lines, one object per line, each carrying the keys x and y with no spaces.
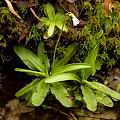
{"x":56,"y":46}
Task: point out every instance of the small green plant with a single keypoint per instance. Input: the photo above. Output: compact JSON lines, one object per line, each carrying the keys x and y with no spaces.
{"x":95,"y":92}
{"x":50,"y":79}
{"x":53,"y":20}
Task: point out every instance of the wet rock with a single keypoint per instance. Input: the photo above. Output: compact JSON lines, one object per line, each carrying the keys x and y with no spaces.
{"x":14,"y":108}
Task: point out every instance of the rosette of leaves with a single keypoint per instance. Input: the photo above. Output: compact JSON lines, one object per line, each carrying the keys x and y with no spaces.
{"x":51,"y":20}
{"x":95,"y":92}
{"x":48,"y":77}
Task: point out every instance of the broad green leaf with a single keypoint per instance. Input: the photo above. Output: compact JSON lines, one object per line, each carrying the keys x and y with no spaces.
{"x":49,"y":31}
{"x":44,"y":58}
{"x":70,"y":67}
{"x":28,"y":95}
{"x":29,"y":58}
{"x":62,"y":77}
{"x":41,"y":92}
{"x":90,"y":59}
{"x":89,"y":98}
{"x":41,"y":51}
{"x":50,"y":12}
{"x":60,"y":20}
{"x":70,"y":51}
{"x":102,"y":98}
{"x":31,"y":72}
{"x":25,"y":89}
{"x":100,"y":87}
{"x":46,"y":20}
{"x":107,"y":90}
{"x":61,"y":94}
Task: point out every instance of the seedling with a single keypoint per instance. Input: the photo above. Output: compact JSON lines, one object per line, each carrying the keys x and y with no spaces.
{"x":53,"y":20}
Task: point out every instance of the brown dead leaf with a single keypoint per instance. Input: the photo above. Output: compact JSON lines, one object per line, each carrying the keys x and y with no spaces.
{"x":81,"y":23}
{"x":73,"y":10}
{"x":107,"y":6}
{"x":12,"y":9}
{"x":72,"y":1}
{"x":33,"y":12}
{"x":25,"y":4}
{"x":36,"y":3}
{"x":24,"y":33}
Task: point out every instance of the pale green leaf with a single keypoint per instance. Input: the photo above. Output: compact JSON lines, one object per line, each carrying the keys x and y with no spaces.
{"x":60,"y":20}
{"x":89,"y":98}
{"x":31,"y":72}
{"x":103,"y":99}
{"x":107,"y":90}
{"x":90,"y":59}
{"x":25,"y":89}
{"x":29,"y":58}
{"x":41,"y":92}
{"x":41,"y":51}
{"x":107,"y":22}
{"x":61,"y":94}
{"x":62,"y":77}
{"x":46,"y":20}
{"x":70,"y":67}
{"x":50,"y":12}
{"x":49,"y":31}
{"x":28,"y":95}
{"x":44,"y":58}
{"x":100,"y":87}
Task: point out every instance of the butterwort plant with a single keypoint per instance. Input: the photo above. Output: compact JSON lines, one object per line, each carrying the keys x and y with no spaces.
{"x":48,"y":77}
{"x":53,"y":20}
